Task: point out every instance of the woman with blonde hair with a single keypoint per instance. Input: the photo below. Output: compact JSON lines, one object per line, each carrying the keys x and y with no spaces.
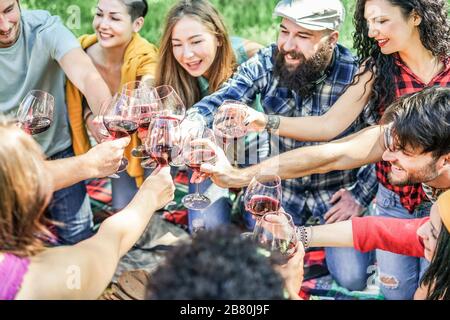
{"x":28,"y":270}
{"x":196,"y":57}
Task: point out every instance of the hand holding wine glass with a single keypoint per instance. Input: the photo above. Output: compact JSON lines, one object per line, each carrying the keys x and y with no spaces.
{"x":35,"y":113}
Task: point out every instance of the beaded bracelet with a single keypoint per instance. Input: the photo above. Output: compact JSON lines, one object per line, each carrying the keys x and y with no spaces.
{"x":303,"y":236}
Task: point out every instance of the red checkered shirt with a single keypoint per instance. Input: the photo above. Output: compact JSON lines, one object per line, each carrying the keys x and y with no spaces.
{"x":407,"y":82}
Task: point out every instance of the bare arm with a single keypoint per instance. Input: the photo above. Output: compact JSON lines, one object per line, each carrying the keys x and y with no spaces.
{"x":81,"y":71}
{"x":100,"y":161}
{"x":338,"y":234}
{"x":354,"y":151}
{"x":90,"y":265}
{"x":327,"y":126}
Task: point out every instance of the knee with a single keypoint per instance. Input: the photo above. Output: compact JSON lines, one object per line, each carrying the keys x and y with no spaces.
{"x":353,"y":281}
{"x":393,"y":289}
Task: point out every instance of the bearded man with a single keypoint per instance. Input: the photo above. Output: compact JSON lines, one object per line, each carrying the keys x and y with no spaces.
{"x":303,"y":74}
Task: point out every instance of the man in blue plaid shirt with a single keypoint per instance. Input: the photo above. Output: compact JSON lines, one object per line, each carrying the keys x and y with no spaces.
{"x":303,"y":75}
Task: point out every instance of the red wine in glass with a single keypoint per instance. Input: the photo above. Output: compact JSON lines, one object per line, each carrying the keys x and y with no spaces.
{"x":259,"y":205}
{"x":36,"y":125}
{"x":200,"y":156}
{"x":121,"y":128}
{"x":148,"y":112}
{"x":163,"y":154}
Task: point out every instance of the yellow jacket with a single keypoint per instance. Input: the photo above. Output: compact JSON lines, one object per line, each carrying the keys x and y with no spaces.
{"x":140,"y":59}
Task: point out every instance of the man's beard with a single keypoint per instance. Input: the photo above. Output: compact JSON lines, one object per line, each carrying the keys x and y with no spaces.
{"x":423,"y":175}
{"x":303,"y":78}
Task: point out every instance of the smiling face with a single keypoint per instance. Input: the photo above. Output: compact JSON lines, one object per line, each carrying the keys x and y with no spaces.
{"x":298,"y":44}
{"x":9,"y":22}
{"x":410,"y":166}
{"x":389,"y":27}
{"x":194,"y":46}
{"x":429,"y":232}
{"x":112,"y":24}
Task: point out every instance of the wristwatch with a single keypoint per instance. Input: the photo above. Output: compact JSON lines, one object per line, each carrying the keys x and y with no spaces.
{"x":272,"y":122}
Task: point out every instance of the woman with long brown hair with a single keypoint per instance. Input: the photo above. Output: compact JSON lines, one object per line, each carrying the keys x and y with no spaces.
{"x":196,"y":56}
{"x":29,"y":270}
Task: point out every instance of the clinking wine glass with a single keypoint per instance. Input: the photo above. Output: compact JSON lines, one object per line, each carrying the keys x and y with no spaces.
{"x":276,"y":232}
{"x":229,"y":125}
{"x":198,"y":149}
{"x":263,"y":195}
{"x":35,"y":113}
{"x":142,"y":97}
{"x":169,"y":103}
{"x":169,"y":106}
{"x":163,"y":142}
{"x":120,"y":120}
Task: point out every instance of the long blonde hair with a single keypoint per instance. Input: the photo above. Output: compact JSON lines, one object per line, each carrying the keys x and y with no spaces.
{"x":24,"y":193}
{"x":169,"y":70}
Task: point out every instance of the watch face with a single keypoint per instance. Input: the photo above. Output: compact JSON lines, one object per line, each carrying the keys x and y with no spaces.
{"x":273,"y":122}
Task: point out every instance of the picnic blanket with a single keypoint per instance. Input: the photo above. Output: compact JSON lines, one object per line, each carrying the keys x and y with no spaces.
{"x":147,"y":253}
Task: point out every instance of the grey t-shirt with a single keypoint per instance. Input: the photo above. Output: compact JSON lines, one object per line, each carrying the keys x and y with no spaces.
{"x":32,"y":63}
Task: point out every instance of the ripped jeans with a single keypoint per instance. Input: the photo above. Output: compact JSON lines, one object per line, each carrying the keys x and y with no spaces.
{"x":399,"y":275}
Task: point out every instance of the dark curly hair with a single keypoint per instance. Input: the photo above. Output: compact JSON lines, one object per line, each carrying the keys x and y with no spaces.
{"x":217,"y":265}
{"x":434,"y":32}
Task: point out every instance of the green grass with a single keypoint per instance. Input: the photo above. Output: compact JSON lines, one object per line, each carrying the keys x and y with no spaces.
{"x":251,"y":19}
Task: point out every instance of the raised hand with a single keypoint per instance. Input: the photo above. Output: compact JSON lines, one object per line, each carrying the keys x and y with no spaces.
{"x":255,"y":121}
{"x":104,"y":159}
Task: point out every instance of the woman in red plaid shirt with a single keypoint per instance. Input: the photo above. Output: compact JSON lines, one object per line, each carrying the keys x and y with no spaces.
{"x":403,"y":47}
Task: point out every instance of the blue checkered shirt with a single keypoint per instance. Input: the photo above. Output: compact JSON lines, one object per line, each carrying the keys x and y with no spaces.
{"x":256,"y":76}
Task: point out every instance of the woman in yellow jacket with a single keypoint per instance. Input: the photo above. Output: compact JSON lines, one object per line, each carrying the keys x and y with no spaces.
{"x":121,"y":55}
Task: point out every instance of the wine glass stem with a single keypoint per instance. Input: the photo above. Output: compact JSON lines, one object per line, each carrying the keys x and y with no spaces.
{"x":197,"y":188}
{"x":235,"y":152}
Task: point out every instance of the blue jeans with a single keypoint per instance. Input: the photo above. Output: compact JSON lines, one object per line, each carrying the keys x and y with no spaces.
{"x":71,"y":207}
{"x":399,"y":275}
{"x":217,"y":214}
{"x":124,"y":189}
{"x":349,"y":267}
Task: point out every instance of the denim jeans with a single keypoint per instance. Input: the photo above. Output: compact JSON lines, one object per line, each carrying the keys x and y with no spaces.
{"x":349,"y":267}
{"x":399,"y":275}
{"x":71,"y":207}
{"x":124,"y":189}
{"x":217,"y":214}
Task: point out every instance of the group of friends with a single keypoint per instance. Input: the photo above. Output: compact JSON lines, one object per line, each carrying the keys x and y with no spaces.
{"x":351,"y":132}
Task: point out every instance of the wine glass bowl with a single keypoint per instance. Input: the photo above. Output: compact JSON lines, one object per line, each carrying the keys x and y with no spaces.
{"x":229,"y":121}
{"x":276,"y":232}
{"x":169,"y":103}
{"x":228,"y":124}
{"x":163,"y":140}
{"x":120,"y":120}
{"x":263,"y":195}
{"x":35,"y":113}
